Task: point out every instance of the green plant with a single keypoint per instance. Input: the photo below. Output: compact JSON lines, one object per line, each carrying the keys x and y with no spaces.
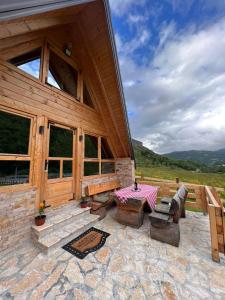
{"x":83,"y":199}
{"x":42,"y":208}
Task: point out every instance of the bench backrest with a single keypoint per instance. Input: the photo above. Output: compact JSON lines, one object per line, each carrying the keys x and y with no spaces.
{"x":93,"y":189}
{"x":181,"y":194}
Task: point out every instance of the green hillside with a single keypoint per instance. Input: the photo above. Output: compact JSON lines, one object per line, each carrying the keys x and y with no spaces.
{"x":145,"y":158}
{"x":210,"y":158}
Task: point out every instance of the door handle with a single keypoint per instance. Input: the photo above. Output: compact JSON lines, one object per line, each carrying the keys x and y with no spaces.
{"x":46,"y":165}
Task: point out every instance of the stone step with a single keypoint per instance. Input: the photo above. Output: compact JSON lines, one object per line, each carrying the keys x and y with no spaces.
{"x":62,"y":236}
{"x":58,"y":219}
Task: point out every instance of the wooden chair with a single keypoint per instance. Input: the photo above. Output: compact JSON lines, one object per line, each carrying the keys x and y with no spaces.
{"x":131,"y":212}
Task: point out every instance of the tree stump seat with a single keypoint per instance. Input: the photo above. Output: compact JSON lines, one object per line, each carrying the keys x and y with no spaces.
{"x":169,"y":234}
{"x":159,"y":220}
{"x":131,"y":212}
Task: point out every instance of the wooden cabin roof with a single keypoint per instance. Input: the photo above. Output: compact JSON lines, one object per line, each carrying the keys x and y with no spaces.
{"x":93,"y":18}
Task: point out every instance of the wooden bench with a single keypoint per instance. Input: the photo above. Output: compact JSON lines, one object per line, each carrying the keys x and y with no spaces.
{"x":99,"y":205}
{"x":165,"y":217}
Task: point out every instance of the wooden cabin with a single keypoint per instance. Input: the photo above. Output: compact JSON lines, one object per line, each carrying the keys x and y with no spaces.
{"x":63,"y":120}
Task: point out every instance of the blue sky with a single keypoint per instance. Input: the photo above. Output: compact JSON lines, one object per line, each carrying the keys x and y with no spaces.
{"x":172,"y":62}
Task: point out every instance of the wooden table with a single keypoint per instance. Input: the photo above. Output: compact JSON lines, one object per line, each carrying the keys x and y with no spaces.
{"x":130,"y":204}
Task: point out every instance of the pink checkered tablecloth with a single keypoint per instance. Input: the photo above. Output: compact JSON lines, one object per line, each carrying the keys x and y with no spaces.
{"x":144,"y":191}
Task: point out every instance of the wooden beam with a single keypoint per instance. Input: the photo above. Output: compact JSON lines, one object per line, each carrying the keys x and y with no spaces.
{"x":44,"y":62}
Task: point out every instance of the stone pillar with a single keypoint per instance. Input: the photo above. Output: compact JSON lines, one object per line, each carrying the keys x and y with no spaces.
{"x":125,"y":171}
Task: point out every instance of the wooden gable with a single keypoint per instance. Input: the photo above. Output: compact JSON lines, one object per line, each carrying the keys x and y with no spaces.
{"x":86,"y":27}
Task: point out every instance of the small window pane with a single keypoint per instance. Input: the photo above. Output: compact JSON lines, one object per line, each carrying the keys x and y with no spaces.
{"x":108,"y":167}
{"x":62,"y":75}
{"x":67,"y":168}
{"x":86,"y":97}
{"x":14,"y":172}
{"x":61,"y":142}
{"x":29,"y":62}
{"x":91,"y":168}
{"x":91,"y":146}
{"x":14,"y":134}
{"x":105,"y":150}
{"x":53,"y":169}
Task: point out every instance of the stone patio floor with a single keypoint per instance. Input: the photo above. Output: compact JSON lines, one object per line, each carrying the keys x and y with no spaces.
{"x":129,"y":266}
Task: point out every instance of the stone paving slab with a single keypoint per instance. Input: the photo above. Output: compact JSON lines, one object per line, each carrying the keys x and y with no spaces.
{"x":129,"y":266}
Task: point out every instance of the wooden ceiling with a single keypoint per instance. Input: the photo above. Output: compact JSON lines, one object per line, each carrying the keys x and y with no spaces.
{"x":87,"y":28}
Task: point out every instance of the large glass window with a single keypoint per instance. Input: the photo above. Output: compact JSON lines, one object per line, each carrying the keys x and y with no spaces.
{"x":62,"y":75}
{"x":29,"y":62}
{"x":86,"y":96}
{"x":15,"y":144}
{"x":98,"y":157}
{"x":91,"y":168}
{"x":106,"y":152}
{"x":14,"y":134}
{"x":91,"y":146}
{"x":14,"y":172}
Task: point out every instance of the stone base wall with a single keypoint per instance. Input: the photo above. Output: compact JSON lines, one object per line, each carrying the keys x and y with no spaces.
{"x":17,"y":212}
{"x":125,"y":171}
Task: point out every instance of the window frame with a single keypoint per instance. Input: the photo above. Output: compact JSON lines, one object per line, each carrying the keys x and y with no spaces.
{"x":99,"y":158}
{"x":59,"y":158}
{"x":46,"y":56}
{"x":46,"y":45}
{"x":22,"y":157}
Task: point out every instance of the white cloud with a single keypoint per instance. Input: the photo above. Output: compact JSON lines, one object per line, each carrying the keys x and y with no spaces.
{"x":177,"y":101}
{"x":129,"y":47}
{"x":119,"y":7}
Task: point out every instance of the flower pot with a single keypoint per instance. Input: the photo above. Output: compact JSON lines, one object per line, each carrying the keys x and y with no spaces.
{"x":40,"y":220}
{"x":83,"y":204}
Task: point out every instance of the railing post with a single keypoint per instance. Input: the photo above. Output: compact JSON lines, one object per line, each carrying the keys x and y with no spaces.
{"x":213,"y":233}
{"x":203,"y":200}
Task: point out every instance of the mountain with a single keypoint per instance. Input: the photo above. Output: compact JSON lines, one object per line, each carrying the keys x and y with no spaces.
{"x":210,"y":158}
{"x":146,"y":158}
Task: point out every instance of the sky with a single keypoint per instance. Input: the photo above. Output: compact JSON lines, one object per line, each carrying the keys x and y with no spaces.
{"x":172,"y":62}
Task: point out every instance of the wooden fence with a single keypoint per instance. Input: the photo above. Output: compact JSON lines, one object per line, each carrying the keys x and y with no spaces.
{"x":200,"y":198}
{"x":196,"y":195}
{"x":217,"y":223}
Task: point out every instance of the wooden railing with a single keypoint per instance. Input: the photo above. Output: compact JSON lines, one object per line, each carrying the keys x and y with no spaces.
{"x":217,"y":223}
{"x":196,"y":195}
{"x":201,"y":198}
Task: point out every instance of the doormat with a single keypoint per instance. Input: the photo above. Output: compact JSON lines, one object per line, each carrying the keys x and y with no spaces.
{"x":89,"y":241}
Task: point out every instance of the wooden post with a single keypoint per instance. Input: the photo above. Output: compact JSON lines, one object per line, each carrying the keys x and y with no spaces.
{"x":44,"y":63}
{"x":39,"y":160}
{"x":213,"y":233}
{"x":203,"y":200}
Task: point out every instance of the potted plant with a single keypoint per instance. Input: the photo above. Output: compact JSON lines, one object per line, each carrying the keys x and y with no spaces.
{"x":83,"y":202}
{"x":40,"y":219}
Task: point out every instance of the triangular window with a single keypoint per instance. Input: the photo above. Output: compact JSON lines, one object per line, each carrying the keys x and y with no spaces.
{"x":28,"y":62}
{"x":62,"y":75}
{"x":106,"y":152}
{"x":86,"y":97}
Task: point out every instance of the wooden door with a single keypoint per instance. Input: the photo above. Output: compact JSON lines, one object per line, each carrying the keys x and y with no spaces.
{"x":59,"y":164}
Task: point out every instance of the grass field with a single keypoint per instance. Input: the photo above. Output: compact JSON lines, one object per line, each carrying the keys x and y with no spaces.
{"x":211,"y":179}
